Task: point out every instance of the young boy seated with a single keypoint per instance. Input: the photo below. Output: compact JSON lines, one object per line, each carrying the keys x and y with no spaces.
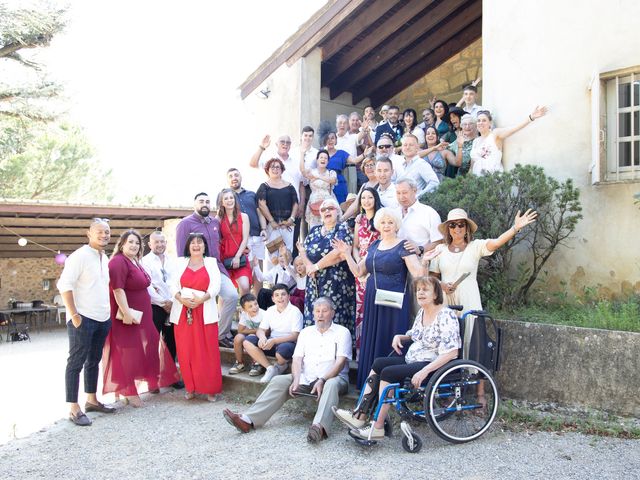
{"x":250,"y":319}
{"x":283,"y":322}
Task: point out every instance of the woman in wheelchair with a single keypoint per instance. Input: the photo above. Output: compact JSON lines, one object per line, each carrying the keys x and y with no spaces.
{"x":436,"y":339}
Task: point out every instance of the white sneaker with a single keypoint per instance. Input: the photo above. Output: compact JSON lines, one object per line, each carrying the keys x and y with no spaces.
{"x":368,"y":433}
{"x":272,"y":371}
{"x":346,"y":417}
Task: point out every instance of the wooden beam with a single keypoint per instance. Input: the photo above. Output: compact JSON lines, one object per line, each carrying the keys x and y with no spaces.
{"x":89,"y":211}
{"x":373,"y":40}
{"x":441,"y":35}
{"x":382,"y":55}
{"x":420,"y":69}
{"x":348,"y":32}
{"x":326,"y":31}
{"x":73,"y":222}
{"x":306,"y":34}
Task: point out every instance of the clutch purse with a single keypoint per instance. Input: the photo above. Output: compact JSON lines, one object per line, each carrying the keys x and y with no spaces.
{"x":136,"y":314}
{"x":274,"y":244}
{"x":389,"y":298}
{"x":228,"y":262}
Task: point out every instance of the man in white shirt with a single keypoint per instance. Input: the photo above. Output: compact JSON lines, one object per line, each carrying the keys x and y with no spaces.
{"x":283,"y":321}
{"x":468,"y":100}
{"x":386,"y":189}
{"x":385,"y":148}
{"x":416,"y":168}
{"x":419,"y":221}
{"x":307,"y":149}
{"x":159,"y":266}
{"x":320,"y":369}
{"x":349,"y":143}
{"x":84,"y":288}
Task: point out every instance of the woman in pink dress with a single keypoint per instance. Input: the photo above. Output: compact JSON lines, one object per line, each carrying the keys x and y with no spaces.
{"x":195,"y":315}
{"x":234,"y":236}
{"x":365,"y":234}
{"x":134,"y":358}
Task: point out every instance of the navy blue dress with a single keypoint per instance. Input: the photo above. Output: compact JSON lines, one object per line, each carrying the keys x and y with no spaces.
{"x":380,"y":324}
{"x":337,"y":163}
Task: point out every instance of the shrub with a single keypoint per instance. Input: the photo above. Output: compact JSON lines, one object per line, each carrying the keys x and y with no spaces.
{"x":492,"y":201}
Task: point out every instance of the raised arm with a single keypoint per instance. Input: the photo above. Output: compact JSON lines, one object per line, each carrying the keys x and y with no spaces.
{"x":254,"y":161}
{"x":503,"y":133}
{"x":519,"y":223}
{"x":344,"y":250}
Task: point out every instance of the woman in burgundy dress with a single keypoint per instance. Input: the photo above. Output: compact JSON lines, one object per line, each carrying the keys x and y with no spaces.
{"x":234,"y":235}
{"x":134,"y":358}
{"x":195,"y":315}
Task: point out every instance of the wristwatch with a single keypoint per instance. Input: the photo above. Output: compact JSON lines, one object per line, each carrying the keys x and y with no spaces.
{"x":421,"y":248}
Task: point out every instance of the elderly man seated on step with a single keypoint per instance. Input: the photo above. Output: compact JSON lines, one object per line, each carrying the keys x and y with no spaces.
{"x":320,"y":369}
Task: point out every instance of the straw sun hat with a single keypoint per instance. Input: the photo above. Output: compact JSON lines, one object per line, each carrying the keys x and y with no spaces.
{"x":457,"y":214}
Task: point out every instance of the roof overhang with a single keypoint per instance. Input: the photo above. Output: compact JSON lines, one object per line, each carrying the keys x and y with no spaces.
{"x":377,"y":48}
{"x":63,"y":227}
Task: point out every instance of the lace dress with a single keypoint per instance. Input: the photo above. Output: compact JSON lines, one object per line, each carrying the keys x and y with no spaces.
{"x":320,"y":191}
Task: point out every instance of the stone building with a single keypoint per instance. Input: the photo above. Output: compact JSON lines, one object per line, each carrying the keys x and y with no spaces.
{"x":580,"y":60}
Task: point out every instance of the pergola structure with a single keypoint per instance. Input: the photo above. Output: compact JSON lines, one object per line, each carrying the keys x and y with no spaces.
{"x":63,"y":227}
{"x":377,"y":48}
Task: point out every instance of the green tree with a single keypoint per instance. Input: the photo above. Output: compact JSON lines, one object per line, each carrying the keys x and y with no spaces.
{"x":42,"y":156}
{"x":492,"y":201}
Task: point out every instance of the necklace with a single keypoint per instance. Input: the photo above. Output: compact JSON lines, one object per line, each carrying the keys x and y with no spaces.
{"x":457,"y":249}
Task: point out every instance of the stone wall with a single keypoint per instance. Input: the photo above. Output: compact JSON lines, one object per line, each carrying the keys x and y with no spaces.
{"x":21,"y":279}
{"x":571,"y":366}
{"x":445,"y":82}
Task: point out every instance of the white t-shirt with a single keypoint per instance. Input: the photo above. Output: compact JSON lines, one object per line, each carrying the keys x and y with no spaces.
{"x":282,"y":324}
{"x":388,"y":196}
{"x":349,"y":143}
{"x":310,"y":159}
{"x":319,"y":351}
{"x":251,"y":322}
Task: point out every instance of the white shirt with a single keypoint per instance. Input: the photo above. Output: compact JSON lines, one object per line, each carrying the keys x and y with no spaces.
{"x":349,"y":143}
{"x":282,"y":324}
{"x":251,"y":322}
{"x":388,"y":196}
{"x":319,"y":351}
{"x":291,"y":174}
{"x":159,"y":290}
{"x":397,"y":161}
{"x":420,"y":224}
{"x":276,"y":274}
{"x":421,"y":172}
{"x":310,"y":159}
{"x":86,"y":274}
{"x":473,"y":111}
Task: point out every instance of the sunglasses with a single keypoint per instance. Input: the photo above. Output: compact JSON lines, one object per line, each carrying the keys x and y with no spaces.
{"x":453,"y":225}
{"x":384,"y":146}
{"x":327,"y":209}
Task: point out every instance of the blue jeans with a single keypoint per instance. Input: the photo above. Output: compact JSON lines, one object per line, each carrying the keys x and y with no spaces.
{"x":85,"y":350}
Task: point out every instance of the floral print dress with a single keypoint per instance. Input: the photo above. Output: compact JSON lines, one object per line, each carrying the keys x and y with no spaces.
{"x":335,"y":282}
{"x":440,"y":337}
{"x":366,"y":236}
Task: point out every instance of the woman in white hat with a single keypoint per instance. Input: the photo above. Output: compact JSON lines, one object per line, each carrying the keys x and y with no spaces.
{"x":460,"y":254}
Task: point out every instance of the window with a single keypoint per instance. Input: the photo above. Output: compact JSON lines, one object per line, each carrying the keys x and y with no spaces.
{"x":619,"y":123}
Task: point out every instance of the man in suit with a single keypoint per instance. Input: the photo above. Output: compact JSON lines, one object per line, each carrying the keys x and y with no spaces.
{"x":391,"y":126}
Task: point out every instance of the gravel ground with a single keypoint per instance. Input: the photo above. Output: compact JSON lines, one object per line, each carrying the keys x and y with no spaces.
{"x":172,"y":438}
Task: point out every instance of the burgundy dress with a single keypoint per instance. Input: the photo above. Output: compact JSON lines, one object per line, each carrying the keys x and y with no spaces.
{"x":134,"y":353}
{"x":366,"y":237}
{"x":230,"y":240}
{"x":197,"y":344}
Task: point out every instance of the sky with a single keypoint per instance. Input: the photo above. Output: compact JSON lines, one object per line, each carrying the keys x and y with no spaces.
{"x":155,"y":85}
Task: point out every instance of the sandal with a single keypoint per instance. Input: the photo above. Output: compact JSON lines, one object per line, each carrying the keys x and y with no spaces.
{"x":316,"y":434}
{"x":189,"y":395}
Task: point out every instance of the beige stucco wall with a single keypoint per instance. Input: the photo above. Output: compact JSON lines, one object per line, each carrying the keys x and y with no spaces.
{"x":445,"y":82}
{"x":545,"y":52}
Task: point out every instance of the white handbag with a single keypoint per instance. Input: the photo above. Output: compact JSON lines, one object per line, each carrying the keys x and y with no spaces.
{"x":387,"y":298}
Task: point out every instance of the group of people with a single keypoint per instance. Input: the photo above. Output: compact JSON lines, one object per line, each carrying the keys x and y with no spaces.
{"x":322,"y":274}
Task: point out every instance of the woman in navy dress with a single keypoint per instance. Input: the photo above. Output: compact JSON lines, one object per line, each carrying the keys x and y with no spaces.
{"x":388,"y":262}
{"x":338,"y":161}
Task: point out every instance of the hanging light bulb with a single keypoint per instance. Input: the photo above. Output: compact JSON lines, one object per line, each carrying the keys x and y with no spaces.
{"x":60,"y":258}
{"x":22,"y":242}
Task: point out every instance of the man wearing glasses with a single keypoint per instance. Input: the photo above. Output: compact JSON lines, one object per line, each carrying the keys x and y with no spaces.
{"x":84,"y":287}
{"x":385,"y":149}
{"x":159,"y":266}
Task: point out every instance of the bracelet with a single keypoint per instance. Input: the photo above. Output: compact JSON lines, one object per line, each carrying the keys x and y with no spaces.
{"x":292,"y":219}
{"x":261,"y":148}
{"x":530,"y":117}
{"x":515,"y":232}
{"x":324,"y":380}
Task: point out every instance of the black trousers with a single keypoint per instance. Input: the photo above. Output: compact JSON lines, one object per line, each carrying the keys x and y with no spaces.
{"x":395,"y":369}
{"x":165,"y":331}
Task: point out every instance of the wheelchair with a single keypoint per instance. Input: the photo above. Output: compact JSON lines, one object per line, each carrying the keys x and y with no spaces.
{"x":459,"y":401}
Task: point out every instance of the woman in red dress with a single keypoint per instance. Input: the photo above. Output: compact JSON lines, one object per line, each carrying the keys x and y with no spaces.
{"x":234,"y":235}
{"x":195,"y":315}
{"x":133,"y":352}
{"x":365,"y":235}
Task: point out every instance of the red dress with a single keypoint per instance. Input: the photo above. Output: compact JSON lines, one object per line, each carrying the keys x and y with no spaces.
{"x":365,"y":238}
{"x":134,"y":354}
{"x":197,"y":344}
{"x":230,"y":240}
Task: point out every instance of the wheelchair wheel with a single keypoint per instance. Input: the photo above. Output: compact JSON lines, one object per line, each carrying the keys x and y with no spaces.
{"x":461,"y":401}
{"x":414,"y":446}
